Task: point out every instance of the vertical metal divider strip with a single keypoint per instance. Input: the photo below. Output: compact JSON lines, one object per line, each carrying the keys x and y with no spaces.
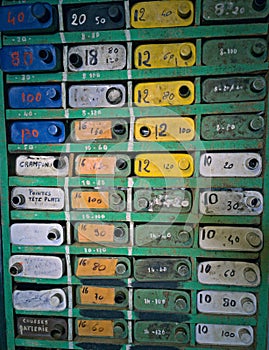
{"x":2,"y":302}
{"x":130,"y":181}
{"x":198,"y":7}
{"x":8,"y":314}
{"x":262,"y":314}
{"x":193,"y":312}
{"x":197,"y":82}
{"x":70,"y":335}
{"x":199,"y":52}
{"x":127,"y":14}
{"x":60,"y":12}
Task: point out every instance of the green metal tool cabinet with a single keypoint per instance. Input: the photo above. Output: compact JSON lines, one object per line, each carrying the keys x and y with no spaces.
{"x":134,"y":174}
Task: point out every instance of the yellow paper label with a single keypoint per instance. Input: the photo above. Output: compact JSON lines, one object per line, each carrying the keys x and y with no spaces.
{"x":164,"y":56}
{"x":164,"y":165}
{"x":158,"y":14}
{"x":95,"y":328}
{"x":85,"y":130}
{"x":97,"y":295}
{"x":168,"y":93}
{"x":90,"y":200}
{"x":87,"y":165}
{"x":95,"y":233}
{"x":164,"y":129}
{"x":96,"y":267}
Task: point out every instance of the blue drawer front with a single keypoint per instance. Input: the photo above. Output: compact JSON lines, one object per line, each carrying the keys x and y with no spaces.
{"x":20,"y":18}
{"x":35,"y":96}
{"x":28,"y":58}
{"x":37,"y":132}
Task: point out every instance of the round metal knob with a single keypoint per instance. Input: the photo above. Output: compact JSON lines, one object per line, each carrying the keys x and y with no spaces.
{"x":245,"y":336}
{"x":259,"y":5}
{"x":185,"y":52}
{"x":16,"y":269}
{"x":53,"y":234}
{"x":58,"y":331}
{"x":144,"y":131}
{"x":120,"y":297}
{"x":18,"y":200}
{"x":116,"y":198}
{"x":183,"y":270}
{"x":184,"y":10}
{"x":256,"y":123}
{"x":119,"y":232}
{"x":56,"y":299}
{"x":76,"y":60}
{"x":181,"y":334}
{"x":250,"y":275}
{"x":118,"y":330}
{"x":59,"y":163}
{"x":180,"y":303}
{"x":53,"y":94}
{"x":258,"y":85}
{"x":121,"y":164}
{"x":252,"y":163}
{"x":54,"y":130}
{"x":253,"y":239}
{"x":183,"y":164}
{"x":121,"y":269}
{"x":114,"y":96}
{"x":40,"y":12}
{"x":258,"y":48}
{"x":253,"y":202}
{"x":248,"y":305}
{"x":143,"y":203}
{"x":183,"y":236}
{"x":119,"y":129}
{"x":46,"y":55}
{"x":114,"y":13}
{"x":184,"y":91}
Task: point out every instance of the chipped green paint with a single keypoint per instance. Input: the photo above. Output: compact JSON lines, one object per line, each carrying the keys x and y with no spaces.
{"x":220,"y":126}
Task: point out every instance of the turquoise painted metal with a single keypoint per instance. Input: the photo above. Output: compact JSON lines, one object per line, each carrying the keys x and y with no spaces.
{"x":140,"y":277}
